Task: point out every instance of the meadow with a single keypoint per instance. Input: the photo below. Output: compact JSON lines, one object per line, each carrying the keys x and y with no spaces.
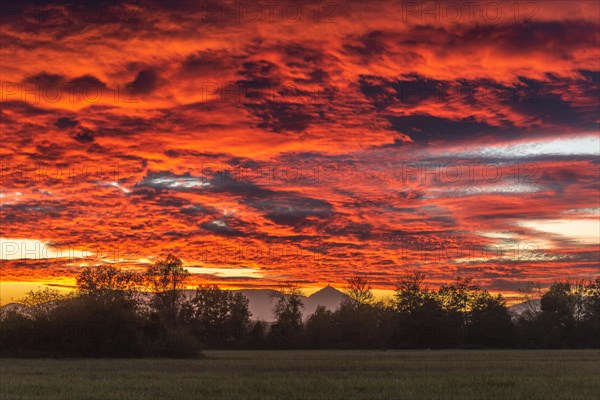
{"x":289,"y":375}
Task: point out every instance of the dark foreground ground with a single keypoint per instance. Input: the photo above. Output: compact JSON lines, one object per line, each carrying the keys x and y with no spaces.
{"x":288,"y":375}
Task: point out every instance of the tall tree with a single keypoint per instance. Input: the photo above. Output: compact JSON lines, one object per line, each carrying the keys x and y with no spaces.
{"x":321,"y":328}
{"x":239,"y":316}
{"x":458,"y":296}
{"x":288,"y":314}
{"x":420,"y":313}
{"x":556,"y":323}
{"x":456,"y":300}
{"x":489,"y":322}
{"x":219,"y":315}
{"x":411,"y":292}
{"x":167,"y":278}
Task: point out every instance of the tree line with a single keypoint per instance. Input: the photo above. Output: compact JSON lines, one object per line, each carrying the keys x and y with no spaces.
{"x":118,"y":313}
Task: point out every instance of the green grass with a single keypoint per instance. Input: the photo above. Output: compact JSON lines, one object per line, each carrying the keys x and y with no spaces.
{"x":312,"y":375}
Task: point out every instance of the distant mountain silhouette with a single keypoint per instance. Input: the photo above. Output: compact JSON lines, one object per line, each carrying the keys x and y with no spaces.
{"x":329,"y":297}
{"x":517,"y":310}
{"x":262,"y":301}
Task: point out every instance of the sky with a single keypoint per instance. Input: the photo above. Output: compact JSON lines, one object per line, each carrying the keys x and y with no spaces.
{"x":267,"y":142}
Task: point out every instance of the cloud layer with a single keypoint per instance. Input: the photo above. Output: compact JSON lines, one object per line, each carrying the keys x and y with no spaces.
{"x":302,"y":141}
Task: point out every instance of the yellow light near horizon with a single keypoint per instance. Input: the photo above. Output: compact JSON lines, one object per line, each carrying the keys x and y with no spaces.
{"x":11,"y":292}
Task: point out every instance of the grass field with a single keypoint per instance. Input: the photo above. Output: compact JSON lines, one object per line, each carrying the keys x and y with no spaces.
{"x":288,"y":375}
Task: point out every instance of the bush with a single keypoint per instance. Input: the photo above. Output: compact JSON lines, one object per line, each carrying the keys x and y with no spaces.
{"x":180,"y":343}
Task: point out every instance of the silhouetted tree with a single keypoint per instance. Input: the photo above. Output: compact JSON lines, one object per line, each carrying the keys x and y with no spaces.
{"x":239,"y":316}
{"x":411,"y":293}
{"x":360,"y":321}
{"x":358,"y":292}
{"x":557,"y":314}
{"x":107,"y":283}
{"x":592,"y":300}
{"x":257,"y":335}
{"x":591,"y":322}
{"x":29,"y":331}
{"x":167,"y":278}
{"x":86,"y":326}
{"x":103,"y":317}
{"x":456,"y":301}
{"x":321,"y":328}
{"x":489,"y":323}
{"x":457,"y":297}
{"x":169,"y":326}
{"x":40,"y":303}
{"x":288,"y":314}
{"x":220,"y":316}
{"x":567,"y":317}
{"x":386,"y":323}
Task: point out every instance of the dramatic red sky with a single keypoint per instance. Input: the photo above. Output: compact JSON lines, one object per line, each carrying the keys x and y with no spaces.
{"x":264,"y":142}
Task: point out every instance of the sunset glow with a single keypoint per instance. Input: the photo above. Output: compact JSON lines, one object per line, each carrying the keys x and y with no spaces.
{"x":307,"y":143}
